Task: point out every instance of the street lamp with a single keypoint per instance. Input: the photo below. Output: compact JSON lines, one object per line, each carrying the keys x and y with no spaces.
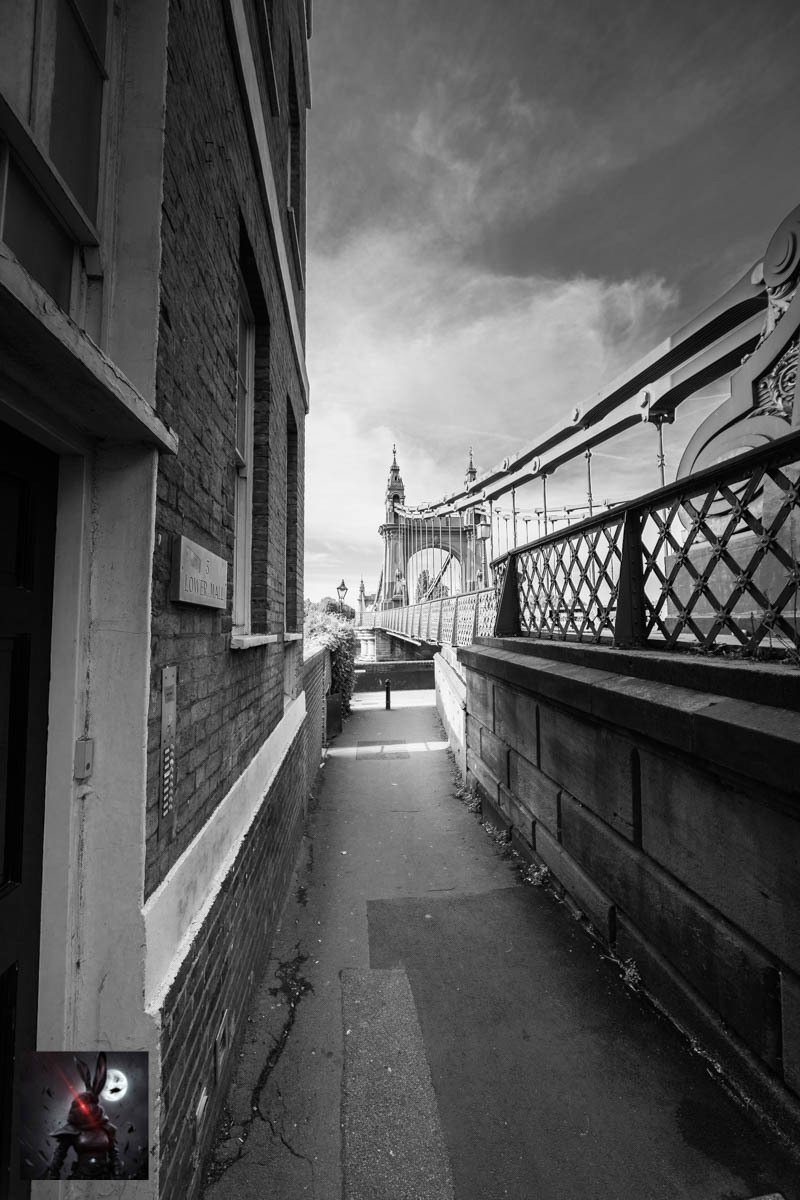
{"x":341,"y":592}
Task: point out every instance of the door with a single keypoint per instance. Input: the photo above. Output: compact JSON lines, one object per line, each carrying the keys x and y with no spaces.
{"x":28,"y":480}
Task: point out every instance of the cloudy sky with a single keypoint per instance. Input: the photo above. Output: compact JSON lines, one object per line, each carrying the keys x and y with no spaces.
{"x":509,"y":201}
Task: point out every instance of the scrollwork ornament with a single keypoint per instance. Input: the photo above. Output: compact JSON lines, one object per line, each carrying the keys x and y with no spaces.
{"x":782,"y":269}
{"x":776,"y":389}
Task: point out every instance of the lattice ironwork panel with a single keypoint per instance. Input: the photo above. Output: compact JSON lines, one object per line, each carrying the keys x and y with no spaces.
{"x":448,"y":620}
{"x":487,"y":613}
{"x":721,"y":563}
{"x":408,"y":616}
{"x":568,"y":587}
{"x":432,"y":627}
{"x":466,"y":619}
{"x":435,"y":619}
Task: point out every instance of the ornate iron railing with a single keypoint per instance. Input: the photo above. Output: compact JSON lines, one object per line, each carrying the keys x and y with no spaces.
{"x":709,"y":561}
{"x":454,"y":621}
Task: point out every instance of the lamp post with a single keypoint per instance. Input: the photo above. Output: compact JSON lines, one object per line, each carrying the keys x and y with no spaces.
{"x":341,"y":592}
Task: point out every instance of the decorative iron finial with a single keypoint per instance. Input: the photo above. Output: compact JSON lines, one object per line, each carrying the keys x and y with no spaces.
{"x":470,"y":474}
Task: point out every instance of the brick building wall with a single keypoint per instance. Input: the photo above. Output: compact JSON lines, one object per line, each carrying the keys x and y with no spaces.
{"x":209,"y":994}
{"x":233,"y":694}
{"x":228,"y":701}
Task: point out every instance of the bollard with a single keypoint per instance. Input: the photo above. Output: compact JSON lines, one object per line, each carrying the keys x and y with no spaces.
{"x":388,"y":693}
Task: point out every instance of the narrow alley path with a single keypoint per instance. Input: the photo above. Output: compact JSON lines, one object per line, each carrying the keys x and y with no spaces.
{"x":432,"y":1028}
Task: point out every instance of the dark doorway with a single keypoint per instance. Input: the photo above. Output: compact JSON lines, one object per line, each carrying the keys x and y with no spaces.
{"x":28,"y":490}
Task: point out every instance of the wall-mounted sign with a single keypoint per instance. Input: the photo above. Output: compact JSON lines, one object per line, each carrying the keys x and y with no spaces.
{"x":198,"y":576}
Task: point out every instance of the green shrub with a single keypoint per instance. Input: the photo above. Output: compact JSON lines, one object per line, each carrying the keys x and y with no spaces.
{"x":338,"y":635}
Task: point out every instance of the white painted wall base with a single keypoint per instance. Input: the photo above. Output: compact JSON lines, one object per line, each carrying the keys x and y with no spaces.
{"x":451,"y":701}
{"x":175,"y":912}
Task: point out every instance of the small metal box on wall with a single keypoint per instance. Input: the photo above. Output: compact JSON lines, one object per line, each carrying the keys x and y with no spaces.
{"x":169,"y":721}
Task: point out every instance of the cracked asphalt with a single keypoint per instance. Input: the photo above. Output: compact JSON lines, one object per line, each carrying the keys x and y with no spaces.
{"x":430,"y":1027}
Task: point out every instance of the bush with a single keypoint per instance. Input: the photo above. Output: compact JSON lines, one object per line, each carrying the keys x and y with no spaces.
{"x":338,"y":635}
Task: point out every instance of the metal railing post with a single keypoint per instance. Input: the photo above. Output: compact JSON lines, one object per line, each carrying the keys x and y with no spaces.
{"x":629,"y":626}
{"x":507,"y":623}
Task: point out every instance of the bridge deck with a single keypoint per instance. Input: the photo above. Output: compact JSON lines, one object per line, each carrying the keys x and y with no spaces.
{"x":450,"y":1030}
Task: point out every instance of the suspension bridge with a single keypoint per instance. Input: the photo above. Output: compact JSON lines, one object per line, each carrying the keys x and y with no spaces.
{"x":708,"y":560}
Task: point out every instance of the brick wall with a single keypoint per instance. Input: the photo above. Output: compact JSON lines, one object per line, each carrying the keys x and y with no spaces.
{"x":215,"y":233}
{"x":217,"y":975}
{"x":316,"y":682}
{"x":228,"y":701}
{"x":671,"y":817}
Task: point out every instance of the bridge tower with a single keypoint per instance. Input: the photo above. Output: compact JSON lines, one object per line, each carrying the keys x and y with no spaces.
{"x":395,"y":591}
{"x":406,"y":536}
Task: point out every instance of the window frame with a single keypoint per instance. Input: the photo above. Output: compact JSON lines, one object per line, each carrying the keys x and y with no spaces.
{"x":26,"y":137}
{"x":264,"y":17}
{"x":244,"y":466}
{"x":294,"y":163}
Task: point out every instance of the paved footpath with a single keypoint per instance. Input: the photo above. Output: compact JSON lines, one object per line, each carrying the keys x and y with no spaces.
{"x":432,"y":1028}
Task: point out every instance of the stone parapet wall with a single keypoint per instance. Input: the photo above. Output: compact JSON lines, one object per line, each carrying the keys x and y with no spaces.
{"x":671,"y":816}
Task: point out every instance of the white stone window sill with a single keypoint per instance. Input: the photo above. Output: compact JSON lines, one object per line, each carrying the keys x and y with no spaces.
{"x":292,"y":637}
{"x":246,"y":641}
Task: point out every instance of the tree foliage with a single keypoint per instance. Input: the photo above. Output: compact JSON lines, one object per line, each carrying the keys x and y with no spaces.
{"x":336,"y":633}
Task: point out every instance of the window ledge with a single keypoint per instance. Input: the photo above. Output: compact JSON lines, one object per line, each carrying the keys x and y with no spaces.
{"x":292,"y":637}
{"x":246,"y":641}
{"x":91,"y":392}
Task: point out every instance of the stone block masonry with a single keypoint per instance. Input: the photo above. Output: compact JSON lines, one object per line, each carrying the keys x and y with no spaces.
{"x":682,"y":854}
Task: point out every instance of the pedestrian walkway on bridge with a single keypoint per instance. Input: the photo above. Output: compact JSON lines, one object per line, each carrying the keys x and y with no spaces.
{"x":432,"y":1027}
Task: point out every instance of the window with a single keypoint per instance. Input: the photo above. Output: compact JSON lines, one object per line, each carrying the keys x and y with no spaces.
{"x":77,"y":97}
{"x":292,"y":659}
{"x":266,"y":30}
{"x":252,"y":582}
{"x":53,"y":76}
{"x":293,"y":147}
{"x":291,"y":540}
{"x":243,"y":499}
{"x":294,"y":176}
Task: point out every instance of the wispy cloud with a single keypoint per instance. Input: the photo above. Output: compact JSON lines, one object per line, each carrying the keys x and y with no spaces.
{"x":483,"y":193}
{"x":438,"y":360}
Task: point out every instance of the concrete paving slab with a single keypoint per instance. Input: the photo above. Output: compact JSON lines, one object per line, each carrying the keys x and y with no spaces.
{"x":393,"y":1144}
{"x":551,"y":1080}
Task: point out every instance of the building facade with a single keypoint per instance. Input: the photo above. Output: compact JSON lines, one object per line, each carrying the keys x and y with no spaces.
{"x":153,"y":393}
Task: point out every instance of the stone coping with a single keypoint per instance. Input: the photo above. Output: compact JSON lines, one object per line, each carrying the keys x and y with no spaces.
{"x":775,"y":684}
{"x":756,"y":740}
